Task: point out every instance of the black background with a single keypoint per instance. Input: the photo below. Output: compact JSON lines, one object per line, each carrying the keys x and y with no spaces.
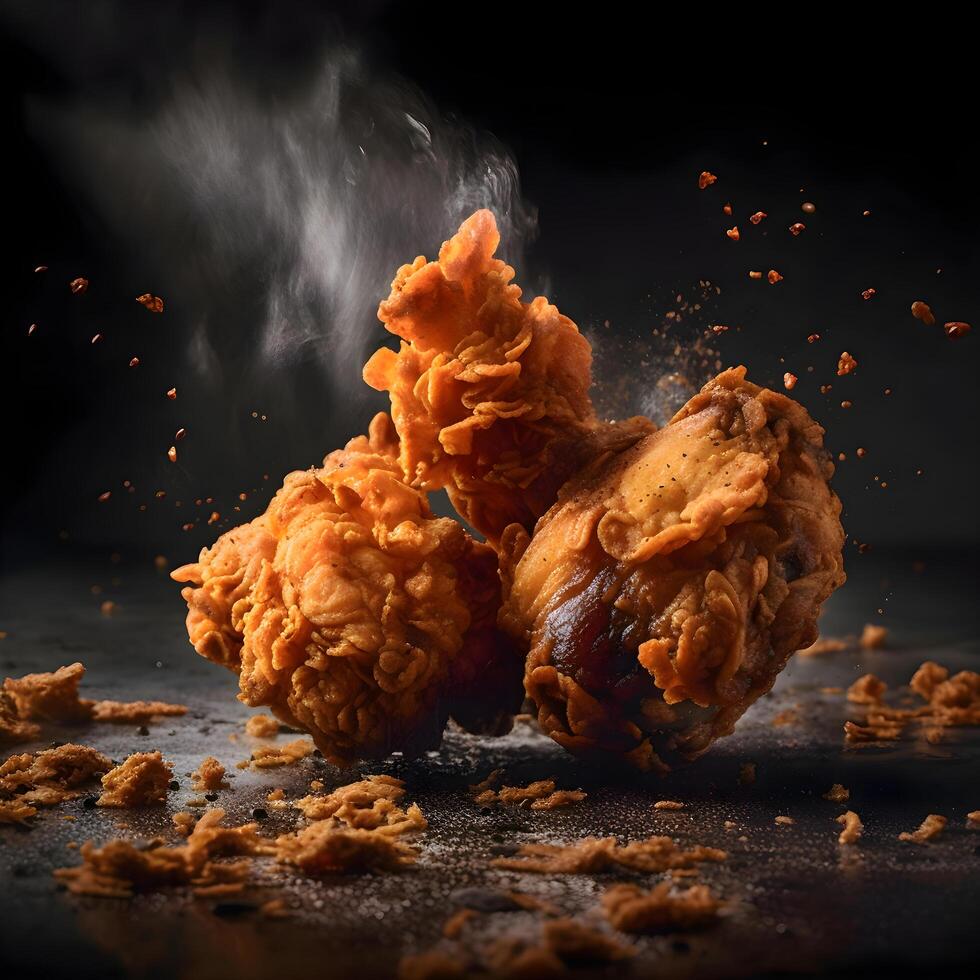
{"x":610,"y":117}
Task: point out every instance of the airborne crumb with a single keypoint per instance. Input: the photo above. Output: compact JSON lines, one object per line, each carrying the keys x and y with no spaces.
{"x":931,"y":827}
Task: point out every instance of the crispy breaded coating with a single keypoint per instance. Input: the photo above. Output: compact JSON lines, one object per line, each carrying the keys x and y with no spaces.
{"x":50,"y":697}
{"x":274,"y":756}
{"x":593,"y":855}
{"x":853,"y":828}
{"x":15,"y":811}
{"x":931,"y":827}
{"x":13,"y":728}
{"x":120,"y":868}
{"x":53,"y":775}
{"x":209,"y":775}
{"x":262,"y":726}
{"x":630,"y":908}
{"x":668,"y":586}
{"x":132,"y":712}
{"x":867,"y":689}
{"x":142,"y":780}
{"x":352,"y":611}
{"x":323,"y":848}
{"x":484,"y":387}
{"x":371,"y":803}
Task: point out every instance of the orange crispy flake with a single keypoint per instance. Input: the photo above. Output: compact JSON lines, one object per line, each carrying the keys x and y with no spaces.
{"x":873,"y":637}
{"x":142,"y":780}
{"x":727,"y":209}
{"x":789,"y":381}
{"x":846,"y":364}
{"x":629,"y":908}
{"x":757,"y":217}
{"x":930,"y":828}
{"x":668,"y":805}
{"x":867,"y":293}
{"x":209,"y":776}
{"x":755,"y":275}
{"x":78,"y":286}
{"x":273,"y":756}
{"x":733,"y":234}
{"x":262,"y":726}
{"x":369,"y":804}
{"x":956,"y":328}
{"x":322,"y":848}
{"x":867,"y":689}
{"x":797,"y":228}
{"x":153,"y":303}
{"x":773,"y":276}
{"x":853,"y":828}
{"x":171,"y":393}
{"x":172,"y":454}
{"x":837,"y":794}
{"x":921,"y":311}
{"x":706,"y":179}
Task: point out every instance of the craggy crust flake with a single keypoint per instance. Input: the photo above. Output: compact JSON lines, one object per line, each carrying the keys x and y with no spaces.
{"x":131,"y":712}
{"x":484,"y":388}
{"x":592,"y":855}
{"x":13,"y":728}
{"x":262,"y":726}
{"x":668,"y":586}
{"x":142,"y":780}
{"x":352,"y":611}
{"x":210,"y":775}
{"x":274,"y":756}
{"x":49,"y":777}
{"x":630,"y":908}
{"x":837,"y":794}
{"x":120,"y":868}
{"x":931,"y":827}
{"x":323,"y":848}
{"x":369,"y":804}
{"x":539,"y":795}
{"x":853,"y":828}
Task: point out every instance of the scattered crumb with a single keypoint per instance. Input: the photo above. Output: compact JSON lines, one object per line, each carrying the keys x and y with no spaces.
{"x":973,"y":820}
{"x":142,"y":780}
{"x":931,"y":827}
{"x":731,"y":826}
{"x":276,"y":795}
{"x":15,"y":811}
{"x":539,"y":795}
{"x":13,"y":728}
{"x":668,"y":805}
{"x":184,"y":823}
{"x":853,"y":828}
{"x":867,"y":689}
{"x":50,"y":697}
{"x":262,"y":726}
{"x":133,"y":712}
{"x":630,"y":908}
{"x":837,"y":794}
{"x":831,"y":690}
{"x":706,"y":179}
{"x":49,"y":777}
{"x":594,"y":854}
{"x":209,"y":776}
{"x":121,"y":868}
{"x":784,"y":821}
{"x":271,"y":757}
{"x":873,"y":637}
{"x":316,"y":785}
{"x":322,"y":848}
{"x":370,"y":804}
{"x":956,"y":328}
{"x":927,"y":678}
{"x":846,"y":364}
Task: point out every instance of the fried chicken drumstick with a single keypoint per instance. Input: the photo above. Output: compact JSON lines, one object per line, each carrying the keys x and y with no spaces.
{"x":667,"y":587}
{"x":353,"y":612}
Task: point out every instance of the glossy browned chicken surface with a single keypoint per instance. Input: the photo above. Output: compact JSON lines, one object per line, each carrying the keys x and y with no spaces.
{"x":667,"y":587}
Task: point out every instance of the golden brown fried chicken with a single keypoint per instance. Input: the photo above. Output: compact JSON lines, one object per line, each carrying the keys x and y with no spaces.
{"x":489,"y":394}
{"x":665,"y":590}
{"x":353,"y":612}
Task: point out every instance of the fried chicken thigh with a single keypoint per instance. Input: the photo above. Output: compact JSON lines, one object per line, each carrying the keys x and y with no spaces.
{"x":490,"y":395}
{"x":665,"y":590}
{"x":353,"y":612}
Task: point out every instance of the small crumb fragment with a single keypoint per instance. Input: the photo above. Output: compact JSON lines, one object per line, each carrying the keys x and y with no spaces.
{"x":921,"y":311}
{"x":153,"y":303}
{"x":668,"y":805}
{"x":727,"y":208}
{"x":873,"y":637}
{"x":757,"y":217}
{"x":733,"y":234}
{"x":276,"y":795}
{"x":930,"y":828}
{"x":867,"y":689}
{"x":172,"y":454}
{"x":706,"y":179}
{"x":785,"y":821}
{"x":853,"y":828}
{"x":270,"y":757}
{"x":142,"y":780}
{"x":172,"y":393}
{"x":846,"y":364}
{"x":78,"y":286}
{"x":867,"y":293}
{"x":789,"y":381}
{"x":322,"y":848}
{"x":825,"y":644}
{"x":630,"y":908}
{"x":812,"y":338}
{"x":973,"y":820}
{"x":184,"y":823}
{"x":50,"y":696}
{"x":16,"y":811}
{"x":755,"y":275}
{"x":773,"y":276}
{"x":808,"y":208}
{"x":210,"y":776}
{"x":956,"y":328}
{"x":837,"y":794}
{"x":108,"y":608}
{"x":796,"y":228}
{"x":134,"y":712}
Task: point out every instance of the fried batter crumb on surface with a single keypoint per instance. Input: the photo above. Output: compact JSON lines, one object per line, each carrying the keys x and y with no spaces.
{"x":931,"y":827}
{"x":973,"y":819}
{"x":50,"y":696}
{"x":873,"y":637}
{"x":595,"y":854}
{"x":539,"y":795}
{"x":668,"y":805}
{"x":630,"y":908}
{"x":15,"y":811}
{"x":837,"y":794}
{"x":210,"y":775}
{"x":262,"y":726}
{"x":785,"y":821}
{"x":142,"y":780}
{"x":323,"y":848}
{"x":47,"y":778}
{"x":866,"y":690}
{"x":273,"y":756}
{"x":124,"y":712}
{"x":853,"y":828}
{"x":120,"y":868}
{"x":370,"y":804}
{"x":13,"y":728}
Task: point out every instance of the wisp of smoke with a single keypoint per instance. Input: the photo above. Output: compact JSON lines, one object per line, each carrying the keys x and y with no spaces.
{"x":292,"y":216}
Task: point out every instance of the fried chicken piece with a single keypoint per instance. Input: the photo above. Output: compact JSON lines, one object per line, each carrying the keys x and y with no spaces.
{"x":665,"y":590}
{"x":489,"y":394}
{"x":354,"y":613}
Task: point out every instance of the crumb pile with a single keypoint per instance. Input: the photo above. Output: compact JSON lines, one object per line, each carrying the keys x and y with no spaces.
{"x":142,"y":780}
{"x":542,"y":794}
{"x":46,"y":778}
{"x":592,"y":855}
{"x":370,"y":804}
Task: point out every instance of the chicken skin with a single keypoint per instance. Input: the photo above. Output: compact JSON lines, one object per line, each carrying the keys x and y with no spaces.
{"x":665,"y":590}
{"x":490,"y":395}
{"x":354,"y":613}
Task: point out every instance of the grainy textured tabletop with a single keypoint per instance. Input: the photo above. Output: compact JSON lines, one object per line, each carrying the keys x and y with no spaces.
{"x":798,"y":902}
